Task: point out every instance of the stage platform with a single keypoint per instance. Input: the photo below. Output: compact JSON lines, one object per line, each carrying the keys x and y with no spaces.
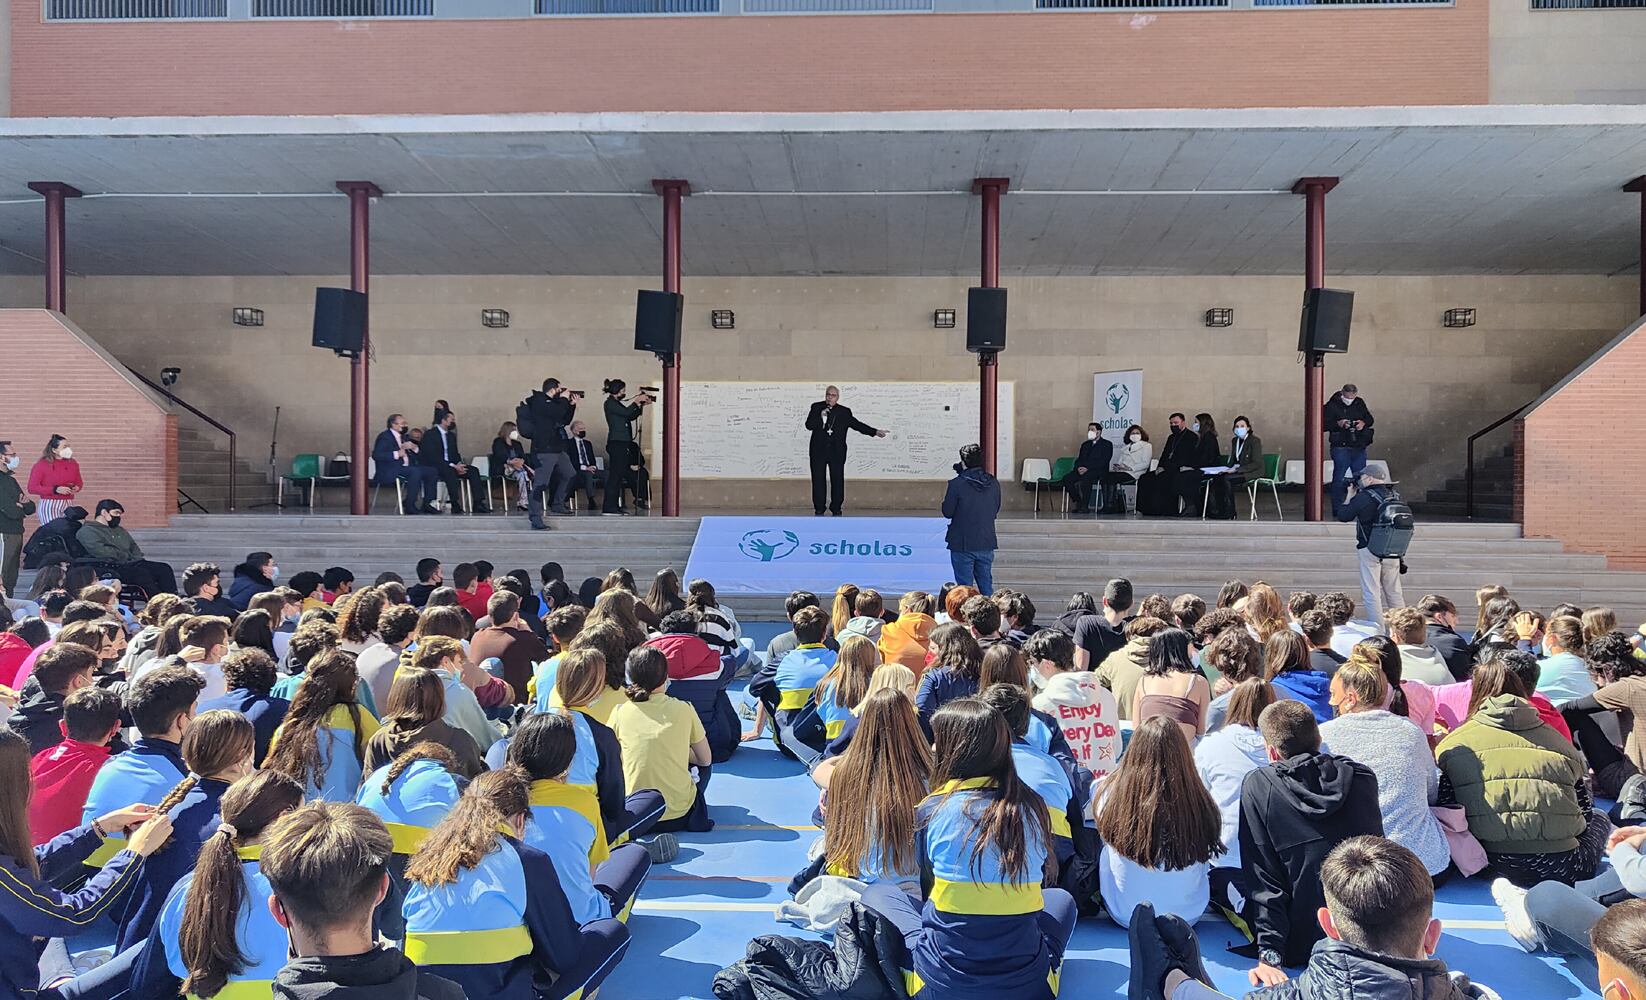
{"x":1047,"y":557}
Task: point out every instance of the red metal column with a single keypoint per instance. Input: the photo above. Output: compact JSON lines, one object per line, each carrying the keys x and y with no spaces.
{"x":360,"y":195}
{"x":988,"y":364}
{"x":57,"y":267}
{"x":672,"y":192}
{"x":1314,"y":189}
{"x":1638,"y":186}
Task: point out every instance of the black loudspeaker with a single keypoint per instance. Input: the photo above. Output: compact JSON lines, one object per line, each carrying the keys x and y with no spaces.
{"x":339,"y":319}
{"x":1326,"y":315}
{"x":985,"y":319}
{"x":657,"y":321}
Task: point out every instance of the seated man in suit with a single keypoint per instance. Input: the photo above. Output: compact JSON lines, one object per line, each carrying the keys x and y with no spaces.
{"x":440,"y":452}
{"x":588,"y":477}
{"x":396,"y":456}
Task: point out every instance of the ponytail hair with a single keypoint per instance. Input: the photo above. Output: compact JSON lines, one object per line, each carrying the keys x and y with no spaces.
{"x":470,"y":831}
{"x":211,"y":909}
{"x":647,"y":668}
{"x":213,"y":742}
{"x":1382,"y":654}
{"x":421,"y":750}
{"x":700,"y":596}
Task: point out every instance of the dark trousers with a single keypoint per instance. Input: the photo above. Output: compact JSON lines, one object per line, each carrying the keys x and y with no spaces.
{"x":620,"y":876}
{"x":555,"y":473}
{"x":828,"y":478}
{"x":619,"y":477}
{"x":152,"y":577}
{"x":641,"y":811}
{"x":454,"y":489}
{"x":697,"y":818}
{"x":11,"y":551}
{"x":415,"y":481}
{"x":587,"y":481}
{"x":1080,"y":485}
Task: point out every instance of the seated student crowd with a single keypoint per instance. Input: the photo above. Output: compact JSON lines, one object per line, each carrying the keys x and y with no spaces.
{"x":178,"y":860}
{"x":958,"y":761}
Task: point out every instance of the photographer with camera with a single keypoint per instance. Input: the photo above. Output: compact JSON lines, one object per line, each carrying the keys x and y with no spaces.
{"x":1349,"y":432}
{"x":625,"y":468}
{"x":1383,"y":531}
{"x":547,"y":416}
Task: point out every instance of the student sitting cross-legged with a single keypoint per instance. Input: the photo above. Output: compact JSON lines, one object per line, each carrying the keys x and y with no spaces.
{"x":1379,"y":938}
{"x":215,"y":933}
{"x":986,"y":927}
{"x":597,"y":880}
{"x":488,"y":911}
{"x":664,"y":746}
{"x":598,"y":763}
{"x":786,"y":689}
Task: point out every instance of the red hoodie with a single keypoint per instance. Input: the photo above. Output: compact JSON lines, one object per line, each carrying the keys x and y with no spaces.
{"x":62,"y":780}
{"x":689,"y":656}
{"x":13,"y":651}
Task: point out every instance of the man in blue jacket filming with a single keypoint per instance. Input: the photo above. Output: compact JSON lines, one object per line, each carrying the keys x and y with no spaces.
{"x":971,"y":503}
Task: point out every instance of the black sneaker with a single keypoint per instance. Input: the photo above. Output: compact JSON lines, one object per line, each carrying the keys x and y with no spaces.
{"x":1158,"y":946}
{"x":1631,"y":800}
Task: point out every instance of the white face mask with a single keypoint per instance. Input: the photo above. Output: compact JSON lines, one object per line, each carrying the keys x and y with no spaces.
{"x":274,"y":572}
{"x":1135,"y":438}
{"x":1091,"y":435}
{"x":1241,"y":432}
{"x":1195,"y":427}
{"x":11,"y":461}
{"x":514,"y":435}
{"x":65,"y":452}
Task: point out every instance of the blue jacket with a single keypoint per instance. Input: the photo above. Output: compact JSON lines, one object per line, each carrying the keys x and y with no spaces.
{"x":33,"y":908}
{"x":1311,"y":687}
{"x":193,"y":820}
{"x":971,"y":503}
{"x":981,"y":933}
{"x":415,"y":803}
{"x":510,"y":909}
{"x":244,"y":588}
{"x":598,"y":766}
{"x":382,"y":453}
{"x":144,"y":774}
{"x":566,"y":825}
{"x":938,"y":687}
{"x":265,"y":711}
{"x":159,"y":970}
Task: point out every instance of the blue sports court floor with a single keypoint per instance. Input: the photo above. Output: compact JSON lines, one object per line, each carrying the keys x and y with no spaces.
{"x":698,"y":913}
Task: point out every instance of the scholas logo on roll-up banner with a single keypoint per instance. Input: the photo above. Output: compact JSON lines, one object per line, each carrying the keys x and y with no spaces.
{"x":1118,"y":397}
{"x":772,"y":544}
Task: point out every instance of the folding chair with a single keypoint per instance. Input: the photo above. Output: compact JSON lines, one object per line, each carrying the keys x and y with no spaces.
{"x":307,"y":468}
{"x":1271,"y":479}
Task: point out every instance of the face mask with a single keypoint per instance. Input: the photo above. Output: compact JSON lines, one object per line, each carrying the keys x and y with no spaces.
{"x":67,"y":452}
{"x":1135,"y":438}
{"x":1195,"y":427}
{"x":514,"y":435}
{"x":1241,"y":432}
{"x":114,"y":522}
{"x":582,"y":434}
{"x":11,"y":461}
{"x":1091,"y":435}
{"x":274,"y":572}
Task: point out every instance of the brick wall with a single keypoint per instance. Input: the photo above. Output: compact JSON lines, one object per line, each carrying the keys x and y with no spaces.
{"x":1573,"y":481}
{"x":1251,"y":58}
{"x":56,"y":381}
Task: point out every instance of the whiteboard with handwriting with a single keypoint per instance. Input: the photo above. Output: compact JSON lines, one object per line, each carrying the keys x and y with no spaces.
{"x":757,"y":430}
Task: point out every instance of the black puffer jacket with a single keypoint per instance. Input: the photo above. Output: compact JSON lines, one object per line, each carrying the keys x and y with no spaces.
{"x":379,"y":974}
{"x":862,"y":964}
{"x":1340,"y":971}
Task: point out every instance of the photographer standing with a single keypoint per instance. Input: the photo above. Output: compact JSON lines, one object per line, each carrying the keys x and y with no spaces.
{"x":551,"y":411}
{"x":1349,"y":429}
{"x":624,"y":466}
{"x":971,"y":504}
{"x":1379,"y":570}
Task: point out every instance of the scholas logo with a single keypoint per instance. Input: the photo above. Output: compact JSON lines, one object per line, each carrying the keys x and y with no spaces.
{"x":1118,"y":397}
{"x":768,"y":544}
{"x":882,"y":550}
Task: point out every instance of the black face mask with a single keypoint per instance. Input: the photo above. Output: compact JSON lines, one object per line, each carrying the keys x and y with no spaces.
{"x":582,"y":434}
{"x":114,"y":522}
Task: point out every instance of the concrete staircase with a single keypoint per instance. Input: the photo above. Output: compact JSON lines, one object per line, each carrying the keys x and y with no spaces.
{"x":203,"y":471}
{"x":1494,"y":491}
{"x":1048,"y":558}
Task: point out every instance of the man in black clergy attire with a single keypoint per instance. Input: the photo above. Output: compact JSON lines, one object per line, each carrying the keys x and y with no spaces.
{"x":1155,"y":494}
{"x":829,"y":421}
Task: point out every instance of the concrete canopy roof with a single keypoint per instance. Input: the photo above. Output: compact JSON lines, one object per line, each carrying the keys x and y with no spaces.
{"x":1483,"y":190}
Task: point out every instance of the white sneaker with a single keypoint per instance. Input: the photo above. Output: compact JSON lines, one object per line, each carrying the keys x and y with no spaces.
{"x":1511,"y":899}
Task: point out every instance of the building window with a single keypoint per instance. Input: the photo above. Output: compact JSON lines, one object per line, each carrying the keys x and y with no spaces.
{"x":627,"y":7}
{"x":343,"y":8}
{"x":134,"y":10}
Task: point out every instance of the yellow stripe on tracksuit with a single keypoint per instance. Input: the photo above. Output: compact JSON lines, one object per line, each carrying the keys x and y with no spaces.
{"x":26,"y":895}
{"x":790,"y":700}
{"x":913,"y":984}
{"x":106,"y":852}
{"x":580,"y":800}
{"x":992,"y":898}
{"x":407,"y":838}
{"x":492,"y":947}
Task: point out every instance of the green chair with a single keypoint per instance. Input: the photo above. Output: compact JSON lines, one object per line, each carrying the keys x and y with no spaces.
{"x":1270,"y":478}
{"x":307,"y":468}
{"x":1060,"y":468}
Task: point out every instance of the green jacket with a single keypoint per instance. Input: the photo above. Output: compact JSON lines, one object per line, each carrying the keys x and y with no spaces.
{"x":13,"y":508}
{"x":103,"y":542}
{"x":1516,"y":778}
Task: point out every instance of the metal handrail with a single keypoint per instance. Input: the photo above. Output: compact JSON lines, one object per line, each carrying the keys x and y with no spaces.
{"x":185,"y":404}
{"x":1469,"y":469}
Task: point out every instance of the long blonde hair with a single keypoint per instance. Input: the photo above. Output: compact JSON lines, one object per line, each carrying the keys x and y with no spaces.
{"x":852,"y":670}
{"x":1265,"y":611}
{"x":889,"y":677}
{"x":845,"y":607}
{"x":876,"y":788}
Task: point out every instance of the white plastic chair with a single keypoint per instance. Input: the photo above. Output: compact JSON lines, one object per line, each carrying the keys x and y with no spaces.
{"x":1037,"y":471}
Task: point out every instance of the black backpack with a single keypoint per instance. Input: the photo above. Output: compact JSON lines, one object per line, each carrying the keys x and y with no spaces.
{"x":1391,"y":530}
{"x":523,"y":420}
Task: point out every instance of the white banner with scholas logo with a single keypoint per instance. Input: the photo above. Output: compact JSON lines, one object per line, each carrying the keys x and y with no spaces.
{"x":775,"y":555}
{"x":1117,"y":402}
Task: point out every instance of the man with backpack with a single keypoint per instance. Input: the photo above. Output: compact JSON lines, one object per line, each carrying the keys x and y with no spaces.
{"x":1383,"y":530}
{"x":544,"y":417}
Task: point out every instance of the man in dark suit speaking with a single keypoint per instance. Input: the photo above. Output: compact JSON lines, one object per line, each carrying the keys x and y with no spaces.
{"x":396,"y":456}
{"x":829,"y":421}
